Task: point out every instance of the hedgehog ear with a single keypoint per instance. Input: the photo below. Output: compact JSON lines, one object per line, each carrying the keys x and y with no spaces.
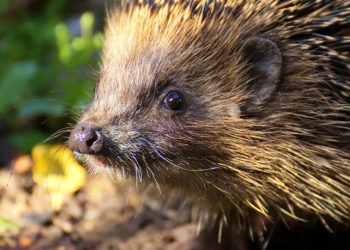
{"x":265,"y":60}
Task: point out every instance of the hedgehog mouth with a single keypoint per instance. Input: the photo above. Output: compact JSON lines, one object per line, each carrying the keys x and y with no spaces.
{"x":100,"y":160}
{"x":92,"y":160}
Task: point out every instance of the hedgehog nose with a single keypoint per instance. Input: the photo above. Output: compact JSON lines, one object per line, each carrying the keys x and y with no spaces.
{"x":86,"y":139}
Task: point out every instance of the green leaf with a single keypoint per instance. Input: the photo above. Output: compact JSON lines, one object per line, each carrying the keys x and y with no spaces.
{"x":7,"y":225}
{"x":15,"y":82}
{"x":43,"y":106}
{"x":79,"y":43}
{"x":98,"y":40}
{"x":62,"y":35}
{"x":26,"y":140}
{"x":87,"y":24}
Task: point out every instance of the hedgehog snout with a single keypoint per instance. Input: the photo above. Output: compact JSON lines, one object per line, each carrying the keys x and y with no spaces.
{"x":86,"y":139}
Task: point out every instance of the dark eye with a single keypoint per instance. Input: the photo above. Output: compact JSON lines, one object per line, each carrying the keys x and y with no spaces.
{"x":173,"y":101}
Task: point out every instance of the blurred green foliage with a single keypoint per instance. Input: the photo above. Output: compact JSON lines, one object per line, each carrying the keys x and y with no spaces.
{"x":45,"y":72}
{"x":7,"y":225}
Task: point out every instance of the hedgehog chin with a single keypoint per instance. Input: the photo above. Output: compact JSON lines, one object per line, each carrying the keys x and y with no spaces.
{"x":94,"y":161}
{"x":99,"y":159}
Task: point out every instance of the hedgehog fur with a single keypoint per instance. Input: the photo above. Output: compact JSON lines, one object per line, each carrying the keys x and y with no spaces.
{"x":288,"y":155}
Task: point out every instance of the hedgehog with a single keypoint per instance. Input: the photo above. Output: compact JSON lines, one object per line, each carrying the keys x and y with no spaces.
{"x":242,"y":107}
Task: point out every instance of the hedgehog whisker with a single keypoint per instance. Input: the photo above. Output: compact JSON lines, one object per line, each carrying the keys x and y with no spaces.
{"x":57,"y":134}
{"x":156,"y":181}
{"x":138,"y":170}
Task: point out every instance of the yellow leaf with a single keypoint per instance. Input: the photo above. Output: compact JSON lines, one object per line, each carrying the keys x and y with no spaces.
{"x":56,"y":169}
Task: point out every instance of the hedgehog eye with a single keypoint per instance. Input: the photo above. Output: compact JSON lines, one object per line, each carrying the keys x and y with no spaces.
{"x":173,"y":101}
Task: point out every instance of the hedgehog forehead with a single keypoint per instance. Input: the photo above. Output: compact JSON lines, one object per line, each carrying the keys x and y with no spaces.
{"x":135,"y":71}
{"x":127,"y":82}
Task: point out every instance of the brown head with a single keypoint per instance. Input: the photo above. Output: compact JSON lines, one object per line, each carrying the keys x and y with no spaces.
{"x":229,"y":104}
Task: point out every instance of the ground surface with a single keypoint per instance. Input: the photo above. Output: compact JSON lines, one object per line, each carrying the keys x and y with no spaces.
{"x":108,"y":215}
{"x":102,"y":215}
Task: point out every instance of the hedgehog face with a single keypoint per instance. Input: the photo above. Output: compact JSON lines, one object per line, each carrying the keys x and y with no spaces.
{"x":140,"y":130}
{"x":161,"y":123}
{"x":169,"y":109}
